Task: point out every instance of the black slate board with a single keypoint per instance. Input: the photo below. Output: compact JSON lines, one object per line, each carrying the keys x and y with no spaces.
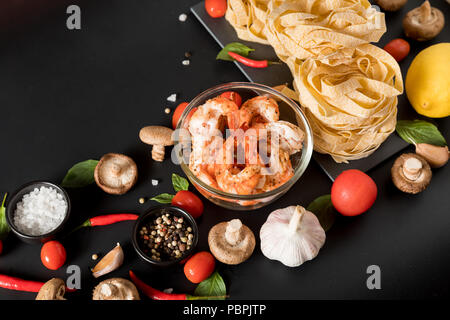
{"x":224,"y":33}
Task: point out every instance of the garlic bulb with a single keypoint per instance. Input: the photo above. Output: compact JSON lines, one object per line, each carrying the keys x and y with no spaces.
{"x":292,"y":236}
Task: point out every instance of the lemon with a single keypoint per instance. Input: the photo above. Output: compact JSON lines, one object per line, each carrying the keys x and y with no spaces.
{"x":428,"y":81}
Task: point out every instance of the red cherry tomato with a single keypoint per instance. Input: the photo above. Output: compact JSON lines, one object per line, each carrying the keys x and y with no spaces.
{"x":353,"y":192}
{"x":1,"y":246}
{"x":199,"y":267}
{"x":216,"y":8}
{"x":398,"y":48}
{"x":179,"y":111}
{"x":233,"y":96}
{"x":188,"y":201}
{"x":53,"y":255}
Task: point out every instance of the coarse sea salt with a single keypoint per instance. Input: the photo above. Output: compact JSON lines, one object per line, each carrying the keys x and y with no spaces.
{"x":40,"y":211}
{"x":182,"y":17}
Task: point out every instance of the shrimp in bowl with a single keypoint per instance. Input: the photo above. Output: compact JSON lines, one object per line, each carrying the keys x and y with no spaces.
{"x":253,"y":154}
{"x":244,"y":157}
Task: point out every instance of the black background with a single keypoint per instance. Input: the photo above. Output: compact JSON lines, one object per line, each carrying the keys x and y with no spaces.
{"x":67,"y":96}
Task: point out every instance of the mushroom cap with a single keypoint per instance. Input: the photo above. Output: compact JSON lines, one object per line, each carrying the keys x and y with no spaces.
{"x":54,"y":289}
{"x":156,"y":135}
{"x":115,"y":289}
{"x":116,"y":173}
{"x":405,"y":184}
{"x":391,"y":5}
{"x":421,"y":28}
{"x":224,"y":251}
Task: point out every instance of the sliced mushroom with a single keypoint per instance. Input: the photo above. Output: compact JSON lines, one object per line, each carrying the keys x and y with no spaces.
{"x":115,"y":289}
{"x":391,"y":5}
{"x":231,"y":242}
{"x":116,"y":173}
{"x":436,"y":156}
{"x":424,"y":22}
{"x":159,"y":137}
{"x":411,"y":173}
{"x":54,"y":289}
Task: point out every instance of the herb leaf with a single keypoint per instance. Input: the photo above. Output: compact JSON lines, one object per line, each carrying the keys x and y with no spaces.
{"x":420,"y":131}
{"x":4,"y":228}
{"x":179,"y":183}
{"x":163,"y":198}
{"x":213,"y":287}
{"x":236,"y":47}
{"x":323,"y":208}
{"x":80,"y":175}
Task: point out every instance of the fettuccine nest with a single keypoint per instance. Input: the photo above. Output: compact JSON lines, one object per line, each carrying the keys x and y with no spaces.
{"x":347,"y":87}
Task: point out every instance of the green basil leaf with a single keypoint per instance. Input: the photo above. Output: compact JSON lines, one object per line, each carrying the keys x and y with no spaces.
{"x":163,"y":198}
{"x":80,"y":175}
{"x":179,"y":183}
{"x":420,"y":131}
{"x":4,"y":227}
{"x":323,"y":208}
{"x":236,"y":47}
{"x":213,"y":287}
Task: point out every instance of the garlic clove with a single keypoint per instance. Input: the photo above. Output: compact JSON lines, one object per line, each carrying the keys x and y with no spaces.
{"x":110,"y":262}
{"x":436,"y":156}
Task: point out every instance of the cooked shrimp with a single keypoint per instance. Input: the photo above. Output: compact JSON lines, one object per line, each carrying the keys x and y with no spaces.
{"x":210,"y":117}
{"x":289,"y":136}
{"x":201,"y":172}
{"x":258,"y":109}
{"x":233,"y":180}
{"x":279,"y":171}
{"x":204,"y":154}
{"x":232,"y":177}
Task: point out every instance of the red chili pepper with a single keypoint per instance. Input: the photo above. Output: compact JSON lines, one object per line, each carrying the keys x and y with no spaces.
{"x":155,"y":294}
{"x":13,"y":283}
{"x":110,"y":219}
{"x":18,"y":284}
{"x":106,"y":220}
{"x":250,"y":62}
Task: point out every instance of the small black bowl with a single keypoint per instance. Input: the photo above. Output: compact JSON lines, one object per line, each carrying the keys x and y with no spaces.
{"x":18,"y":195}
{"x":151,"y":214}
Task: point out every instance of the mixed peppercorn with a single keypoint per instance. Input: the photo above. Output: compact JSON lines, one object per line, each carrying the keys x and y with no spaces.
{"x":166,"y":237}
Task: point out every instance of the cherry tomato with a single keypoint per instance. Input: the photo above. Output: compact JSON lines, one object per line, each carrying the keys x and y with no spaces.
{"x":216,"y":8}
{"x":1,"y":246}
{"x":199,"y":267}
{"x":353,"y":192}
{"x":53,"y":255}
{"x":188,"y":201}
{"x":233,"y":96}
{"x":179,"y":111}
{"x":398,"y":48}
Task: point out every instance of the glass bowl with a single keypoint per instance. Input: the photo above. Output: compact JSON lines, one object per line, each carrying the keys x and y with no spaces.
{"x":289,"y":111}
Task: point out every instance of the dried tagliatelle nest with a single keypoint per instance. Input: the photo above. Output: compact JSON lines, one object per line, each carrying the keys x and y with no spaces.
{"x":347,"y":87}
{"x":248,"y":17}
{"x":308,"y":28}
{"x":350,"y":99}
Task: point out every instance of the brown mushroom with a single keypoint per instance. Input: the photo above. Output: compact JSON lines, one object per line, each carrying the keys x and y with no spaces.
{"x":391,"y":5}
{"x":115,"y":289}
{"x":436,"y":156}
{"x":116,"y":173}
{"x":411,"y":173}
{"x":54,"y":289}
{"x":158,"y":137}
{"x":231,"y":242}
{"x":424,"y":22}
